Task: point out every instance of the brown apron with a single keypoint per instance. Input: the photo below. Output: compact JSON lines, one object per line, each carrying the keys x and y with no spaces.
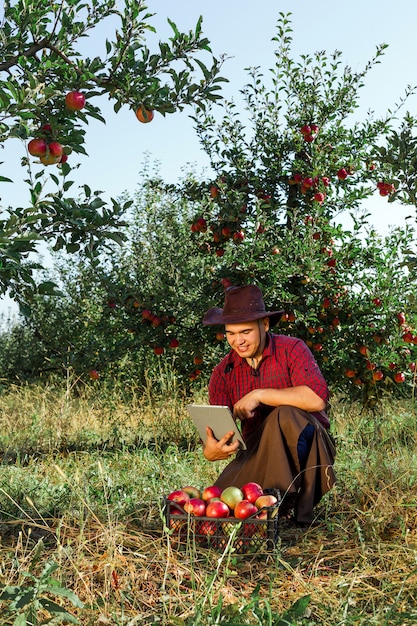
{"x":271,"y":460}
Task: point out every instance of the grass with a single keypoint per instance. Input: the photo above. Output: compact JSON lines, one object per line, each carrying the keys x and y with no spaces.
{"x":81,"y":483}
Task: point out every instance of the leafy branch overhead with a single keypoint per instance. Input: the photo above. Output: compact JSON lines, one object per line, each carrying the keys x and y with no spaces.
{"x":55,"y":65}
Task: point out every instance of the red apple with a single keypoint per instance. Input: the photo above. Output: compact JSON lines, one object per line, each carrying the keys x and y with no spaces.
{"x":193,"y":492}
{"x":179,"y":496}
{"x":266,"y":500}
{"x":156,"y":321}
{"x":37,"y":147}
{"x":238,"y":235}
{"x":364,"y":350}
{"x":195,"y":506}
{"x":305,"y":130}
{"x":231,"y":496}
{"x":55,"y":149}
{"x":252,"y":491}
{"x":249,"y":530}
{"x":174,"y":343}
{"x":206,"y":528}
{"x":158,"y":350}
{"x":214,"y":191}
{"x":401,"y":318}
{"x":94,"y":375}
{"x":319,"y":197}
{"x":342,"y":173}
{"x":201,"y":225}
{"x":244,"y":509}
{"x":211,"y":492}
{"x":377,"y":375}
{"x":399,"y":377}
{"x":176,"y":525}
{"x":75,"y":101}
{"x":217,"y":508}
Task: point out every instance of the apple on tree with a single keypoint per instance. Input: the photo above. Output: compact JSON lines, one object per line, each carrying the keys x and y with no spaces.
{"x":75,"y":101}
{"x":144,"y":115}
{"x":37,"y":147}
{"x":55,"y":149}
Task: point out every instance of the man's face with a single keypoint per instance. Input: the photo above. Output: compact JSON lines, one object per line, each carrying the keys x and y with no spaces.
{"x":248,"y":338}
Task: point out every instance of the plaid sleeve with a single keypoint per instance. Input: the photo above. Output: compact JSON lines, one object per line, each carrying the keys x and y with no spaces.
{"x":305,"y":370}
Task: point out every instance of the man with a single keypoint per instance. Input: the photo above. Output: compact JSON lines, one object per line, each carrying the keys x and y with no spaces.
{"x":273,"y":384}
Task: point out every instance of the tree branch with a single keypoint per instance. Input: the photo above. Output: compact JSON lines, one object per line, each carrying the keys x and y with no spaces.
{"x":30,"y":52}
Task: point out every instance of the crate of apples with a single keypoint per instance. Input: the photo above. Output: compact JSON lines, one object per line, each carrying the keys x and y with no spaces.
{"x":245,"y":516}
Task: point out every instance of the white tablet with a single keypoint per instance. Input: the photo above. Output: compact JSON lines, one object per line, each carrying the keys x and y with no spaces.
{"x":219,"y":418}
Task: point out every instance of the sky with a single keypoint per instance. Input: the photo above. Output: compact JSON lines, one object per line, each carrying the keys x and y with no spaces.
{"x":243,"y":31}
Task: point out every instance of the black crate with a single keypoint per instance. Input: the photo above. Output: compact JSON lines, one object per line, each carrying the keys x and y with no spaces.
{"x":252,"y":535}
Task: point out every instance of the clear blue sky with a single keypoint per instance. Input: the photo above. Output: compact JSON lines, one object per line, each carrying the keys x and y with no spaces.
{"x":243,"y":30}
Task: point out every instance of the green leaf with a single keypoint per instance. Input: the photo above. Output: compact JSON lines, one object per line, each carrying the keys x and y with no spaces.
{"x":298,"y":609}
{"x":10,"y":593}
{"x":57,"y":611}
{"x":26,"y":598}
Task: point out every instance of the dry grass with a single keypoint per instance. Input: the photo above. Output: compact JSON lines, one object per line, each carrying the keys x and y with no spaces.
{"x":357,"y":562}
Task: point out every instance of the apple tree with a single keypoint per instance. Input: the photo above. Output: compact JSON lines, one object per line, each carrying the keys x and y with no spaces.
{"x":50,"y":88}
{"x":287,"y":209}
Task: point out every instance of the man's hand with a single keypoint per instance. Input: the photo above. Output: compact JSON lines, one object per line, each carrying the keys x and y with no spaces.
{"x":219,"y":449}
{"x":245,"y":407}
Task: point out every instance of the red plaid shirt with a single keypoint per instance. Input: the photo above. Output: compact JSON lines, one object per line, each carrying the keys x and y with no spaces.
{"x":286,"y":362}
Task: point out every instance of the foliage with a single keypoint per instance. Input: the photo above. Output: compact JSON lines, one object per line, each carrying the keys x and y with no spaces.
{"x":30,"y":602}
{"x":287,"y":211}
{"x":42,"y":60}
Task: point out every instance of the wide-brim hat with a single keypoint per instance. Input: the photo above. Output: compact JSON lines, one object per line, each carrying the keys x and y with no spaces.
{"x":241,"y":304}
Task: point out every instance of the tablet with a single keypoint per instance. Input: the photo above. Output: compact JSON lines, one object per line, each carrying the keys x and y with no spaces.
{"x":219,"y":418}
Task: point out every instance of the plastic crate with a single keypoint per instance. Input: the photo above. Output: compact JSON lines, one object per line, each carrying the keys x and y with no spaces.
{"x":253,"y":535}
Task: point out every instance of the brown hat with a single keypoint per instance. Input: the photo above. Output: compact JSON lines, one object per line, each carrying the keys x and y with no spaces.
{"x":241,"y":304}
